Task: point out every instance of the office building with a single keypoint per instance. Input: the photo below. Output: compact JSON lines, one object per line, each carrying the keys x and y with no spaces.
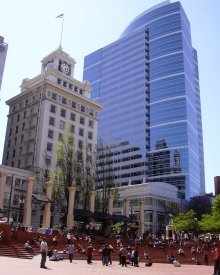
{"x":148,"y":84}
{"x":45,"y":107}
{"x":3,"y":54}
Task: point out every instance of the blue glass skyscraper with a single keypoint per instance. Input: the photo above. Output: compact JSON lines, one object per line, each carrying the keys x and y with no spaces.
{"x":148,"y":84}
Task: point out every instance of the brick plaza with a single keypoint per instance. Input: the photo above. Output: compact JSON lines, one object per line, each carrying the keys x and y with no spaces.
{"x":15,"y":266}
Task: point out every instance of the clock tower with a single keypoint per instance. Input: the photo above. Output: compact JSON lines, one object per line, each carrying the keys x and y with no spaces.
{"x":59,"y":61}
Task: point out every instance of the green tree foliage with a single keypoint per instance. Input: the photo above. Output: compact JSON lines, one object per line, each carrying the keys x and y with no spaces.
{"x":64,"y":174}
{"x":211,"y":222}
{"x":185,"y":221}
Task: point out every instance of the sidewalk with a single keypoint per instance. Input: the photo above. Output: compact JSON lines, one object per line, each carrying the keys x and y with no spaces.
{"x":14,"y":266}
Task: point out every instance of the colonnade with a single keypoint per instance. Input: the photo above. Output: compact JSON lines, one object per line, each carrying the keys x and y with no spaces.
{"x":47,"y":208}
{"x":70,"y":214}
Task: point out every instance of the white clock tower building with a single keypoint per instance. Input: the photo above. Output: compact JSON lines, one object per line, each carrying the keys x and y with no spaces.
{"x":46,"y":105}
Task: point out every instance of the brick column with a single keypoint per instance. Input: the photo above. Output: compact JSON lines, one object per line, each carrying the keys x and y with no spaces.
{"x":126,"y":204}
{"x":110,"y":204}
{"x":47,"y":213}
{"x":70,"y":215}
{"x":141,"y":212}
{"x":92,"y":195}
{"x":27,"y":204}
{"x":3,"y":177}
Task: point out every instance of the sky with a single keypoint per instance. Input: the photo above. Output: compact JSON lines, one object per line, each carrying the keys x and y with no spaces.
{"x":32,"y":31}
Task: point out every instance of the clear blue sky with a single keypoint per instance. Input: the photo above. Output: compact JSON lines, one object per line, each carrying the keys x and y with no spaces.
{"x":32,"y":31}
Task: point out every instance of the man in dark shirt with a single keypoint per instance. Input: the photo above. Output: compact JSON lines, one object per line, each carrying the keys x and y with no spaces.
{"x":89,"y":252}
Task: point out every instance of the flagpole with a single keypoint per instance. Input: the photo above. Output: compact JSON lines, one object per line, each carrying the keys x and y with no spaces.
{"x":61,"y":35}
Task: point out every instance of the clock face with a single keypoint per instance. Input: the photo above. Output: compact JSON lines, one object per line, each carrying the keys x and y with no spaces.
{"x":65,"y":68}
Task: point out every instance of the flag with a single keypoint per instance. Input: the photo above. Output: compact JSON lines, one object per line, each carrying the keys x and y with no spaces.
{"x":60,"y":16}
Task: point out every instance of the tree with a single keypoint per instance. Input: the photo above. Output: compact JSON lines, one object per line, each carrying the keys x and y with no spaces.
{"x":104,"y":176}
{"x":211,"y":222}
{"x":64,"y":174}
{"x":185,"y":221}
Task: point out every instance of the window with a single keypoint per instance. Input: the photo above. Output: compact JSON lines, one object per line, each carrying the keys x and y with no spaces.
{"x":13,"y":154}
{"x":64,"y":99}
{"x":23,"y":126}
{"x":80,"y":144}
{"x":24,"y":116}
{"x":81,"y":132}
{"x":148,"y":216}
{"x":18,"y":117}
{"x":58,"y":81}
{"x":26,"y":102}
{"x":91,"y":123}
{"x":75,"y":89}
{"x":10,"y":132}
{"x":15,"y":141}
{"x":81,"y":91}
{"x":72,"y":128}
{"x":7,"y":156}
{"x":48,"y":161}
{"x":49,"y":147}
{"x":70,"y":86}
{"x":60,"y":136}
{"x":72,"y":116}
{"x":64,"y":84}
{"x":82,"y":108}
{"x":51,"y":121}
{"x":89,"y":145}
{"x":63,"y":112}
{"x":73,"y":104}
{"x":16,"y":200}
{"x":16,"y":130}
{"x":53,"y":108}
{"x":62,"y":125}
{"x":89,"y":135}
{"x":50,"y":133}
{"x":91,"y":112}
{"x":54,"y":96}
{"x":82,"y":120}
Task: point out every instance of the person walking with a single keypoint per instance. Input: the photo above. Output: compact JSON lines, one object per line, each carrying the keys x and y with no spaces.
{"x":89,"y":252}
{"x":105,"y":254}
{"x":70,"y":250}
{"x":136,"y":257}
{"x":123,"y":256}
{"x":206,"y":258}
{"x":43,"y":251}
{"x":216,"y":260}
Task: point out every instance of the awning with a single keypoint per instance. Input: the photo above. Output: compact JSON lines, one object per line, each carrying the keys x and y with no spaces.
{"x":82,"y":214}
{"x":101,"y":217}
{"x":121,"y":218}
{"x":40,"y":199}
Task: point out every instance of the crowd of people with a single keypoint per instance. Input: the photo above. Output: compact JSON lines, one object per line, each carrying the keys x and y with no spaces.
{"x":127,"y":249}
